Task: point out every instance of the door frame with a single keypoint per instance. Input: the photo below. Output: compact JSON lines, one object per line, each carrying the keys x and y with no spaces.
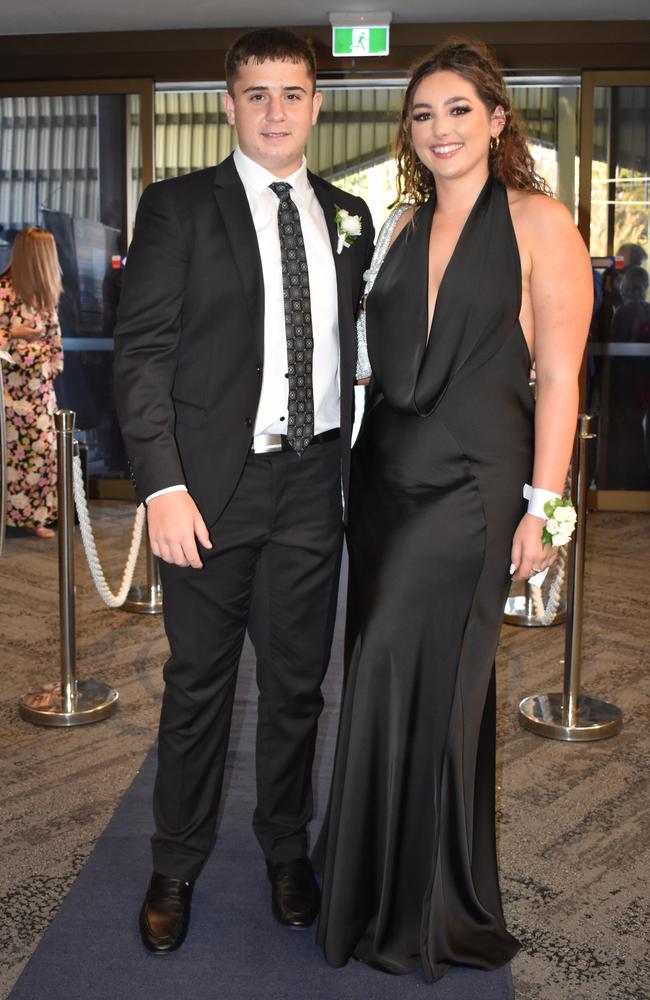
{"x":145,"y":89}
{"x":72,"y":88}
{"x":631,"y":500}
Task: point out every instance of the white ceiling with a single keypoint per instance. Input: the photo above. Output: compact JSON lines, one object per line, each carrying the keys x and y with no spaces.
{"x":18,"y":17}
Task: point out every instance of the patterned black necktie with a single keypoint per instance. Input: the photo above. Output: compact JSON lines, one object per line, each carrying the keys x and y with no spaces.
{"x":297,"y":320}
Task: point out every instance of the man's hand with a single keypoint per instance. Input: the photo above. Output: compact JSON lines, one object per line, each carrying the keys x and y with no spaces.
{"x":174,"y":525}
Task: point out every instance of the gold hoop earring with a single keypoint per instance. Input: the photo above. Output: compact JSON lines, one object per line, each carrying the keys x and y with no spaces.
{"x":494,"y":143}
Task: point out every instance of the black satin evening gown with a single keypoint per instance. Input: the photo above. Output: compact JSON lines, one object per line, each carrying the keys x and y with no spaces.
{"x":407,"y":852}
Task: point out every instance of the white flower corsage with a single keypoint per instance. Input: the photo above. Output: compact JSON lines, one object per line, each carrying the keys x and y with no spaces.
{"x":348,"y":227}
{"x":561,"y":522}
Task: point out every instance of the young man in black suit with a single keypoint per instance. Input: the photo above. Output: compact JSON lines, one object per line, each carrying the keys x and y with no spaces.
{"x":235,"y":352}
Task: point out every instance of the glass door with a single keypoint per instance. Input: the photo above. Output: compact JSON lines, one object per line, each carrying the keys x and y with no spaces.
{"x":74,"y":158}
{"x":614,"y":219}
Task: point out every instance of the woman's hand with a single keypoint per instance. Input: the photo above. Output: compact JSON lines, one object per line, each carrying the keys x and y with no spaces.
{"x":528,"y":555}
{"x":27,"y":331}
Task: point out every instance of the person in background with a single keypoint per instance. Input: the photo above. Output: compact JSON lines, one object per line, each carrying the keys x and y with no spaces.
{"x":626,"y":385}
{"x":631,"y":322}
{"x":30,"y":333}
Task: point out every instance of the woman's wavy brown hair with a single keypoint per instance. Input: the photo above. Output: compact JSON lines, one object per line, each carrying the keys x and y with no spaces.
{"x":510,"y":162}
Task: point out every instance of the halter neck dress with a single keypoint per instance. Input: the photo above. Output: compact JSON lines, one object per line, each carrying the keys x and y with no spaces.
{"x":408,"y":851}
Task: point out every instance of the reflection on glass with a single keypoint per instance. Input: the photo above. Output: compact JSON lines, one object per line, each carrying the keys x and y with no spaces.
{"x":619,"y":350}
{"x":73,"y":165}
{"x":550,"y":116}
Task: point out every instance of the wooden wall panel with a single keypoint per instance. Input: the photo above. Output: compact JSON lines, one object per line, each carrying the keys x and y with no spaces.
{"x":199,"y":55}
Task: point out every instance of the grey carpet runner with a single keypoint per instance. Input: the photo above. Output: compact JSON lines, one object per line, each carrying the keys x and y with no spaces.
{"x":234,"y":949}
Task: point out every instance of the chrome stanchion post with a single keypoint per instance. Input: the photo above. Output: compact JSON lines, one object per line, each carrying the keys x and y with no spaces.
{"x":3,"y":454}
{"x":147,"y":599}
{"x":71,"y":702}
{"x":64,"y":421}
{"x":570,"y":715}
{"x":573,"y":636}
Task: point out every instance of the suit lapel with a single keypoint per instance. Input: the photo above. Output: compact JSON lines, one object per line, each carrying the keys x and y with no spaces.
{"x":327,"y":203}
{"x":238,"y":223}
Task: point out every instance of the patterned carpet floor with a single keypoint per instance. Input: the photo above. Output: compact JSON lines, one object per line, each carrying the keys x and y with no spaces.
{"x":572,"y":818}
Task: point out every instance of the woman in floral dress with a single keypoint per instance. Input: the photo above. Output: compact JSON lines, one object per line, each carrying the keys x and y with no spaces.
{"x":30,"y":333}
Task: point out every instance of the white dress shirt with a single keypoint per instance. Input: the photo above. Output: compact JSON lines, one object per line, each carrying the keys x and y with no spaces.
{"x":272,"y":413}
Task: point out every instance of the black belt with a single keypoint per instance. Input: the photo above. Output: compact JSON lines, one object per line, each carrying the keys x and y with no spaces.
{"x":263,"y":444}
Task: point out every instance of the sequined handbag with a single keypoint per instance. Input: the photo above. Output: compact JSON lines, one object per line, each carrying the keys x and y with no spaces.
{"x":364,"y":370}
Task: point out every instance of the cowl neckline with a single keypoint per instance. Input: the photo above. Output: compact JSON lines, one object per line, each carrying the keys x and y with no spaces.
{"x":414,"y":363}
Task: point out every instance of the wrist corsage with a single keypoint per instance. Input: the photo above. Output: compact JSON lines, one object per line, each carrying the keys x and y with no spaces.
{"x":348,"y":227}
{"x":561,"y":522}
{"x":559,"y":515}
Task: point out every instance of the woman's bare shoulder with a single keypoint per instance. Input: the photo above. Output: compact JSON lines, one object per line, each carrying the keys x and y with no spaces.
{"x":539,"y":213}
{"x":554,"y":248}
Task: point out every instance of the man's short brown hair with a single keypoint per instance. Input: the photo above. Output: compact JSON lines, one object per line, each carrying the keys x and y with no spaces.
{"x":269,"y":44}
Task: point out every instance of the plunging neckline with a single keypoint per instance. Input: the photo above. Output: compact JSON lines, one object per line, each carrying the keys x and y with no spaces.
{"x":476,"y":309}
{"x":429,"y":326}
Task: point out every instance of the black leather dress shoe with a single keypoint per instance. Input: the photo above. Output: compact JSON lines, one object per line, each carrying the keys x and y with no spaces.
{"x":165,"y":913}
{"x":295,"y":896}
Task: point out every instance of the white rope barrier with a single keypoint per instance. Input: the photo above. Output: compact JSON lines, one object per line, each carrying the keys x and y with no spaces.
{"x":546,"y":612}
{"x":104,"y":591}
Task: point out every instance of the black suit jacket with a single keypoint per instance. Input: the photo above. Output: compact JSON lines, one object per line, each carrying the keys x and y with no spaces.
{"x":189,"y":341}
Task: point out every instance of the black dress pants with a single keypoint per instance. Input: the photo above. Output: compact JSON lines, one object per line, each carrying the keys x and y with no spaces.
{"x":273,"y":568}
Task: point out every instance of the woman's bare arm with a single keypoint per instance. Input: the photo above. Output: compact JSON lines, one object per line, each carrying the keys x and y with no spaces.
{"x":561,"y":291}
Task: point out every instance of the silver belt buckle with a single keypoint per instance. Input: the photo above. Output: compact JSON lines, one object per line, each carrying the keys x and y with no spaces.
{"x":263,"y":443}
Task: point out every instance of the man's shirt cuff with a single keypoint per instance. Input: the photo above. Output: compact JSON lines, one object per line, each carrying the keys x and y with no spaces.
{"x":180,"y":488}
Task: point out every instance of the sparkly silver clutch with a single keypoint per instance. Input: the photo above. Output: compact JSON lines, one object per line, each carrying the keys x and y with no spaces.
{"x":381,"y":246}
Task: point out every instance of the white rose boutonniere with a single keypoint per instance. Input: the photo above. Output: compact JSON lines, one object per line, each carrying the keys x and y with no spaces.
{"x":348,"y":227}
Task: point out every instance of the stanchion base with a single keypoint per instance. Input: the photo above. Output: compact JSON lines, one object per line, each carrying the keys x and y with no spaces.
{"x":144,"y":600}
{"x":516,"y":614}
{"x":596,"y":720}
{"x":93,"y":702}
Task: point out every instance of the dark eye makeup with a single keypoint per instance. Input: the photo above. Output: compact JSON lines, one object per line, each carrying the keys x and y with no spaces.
{"x":456,"y":111}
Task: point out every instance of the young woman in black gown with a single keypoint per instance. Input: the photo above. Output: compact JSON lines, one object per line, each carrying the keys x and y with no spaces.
{"x":485,"y":273}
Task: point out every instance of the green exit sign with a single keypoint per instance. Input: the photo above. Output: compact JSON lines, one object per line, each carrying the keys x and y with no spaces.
{"x":362,"y":41}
